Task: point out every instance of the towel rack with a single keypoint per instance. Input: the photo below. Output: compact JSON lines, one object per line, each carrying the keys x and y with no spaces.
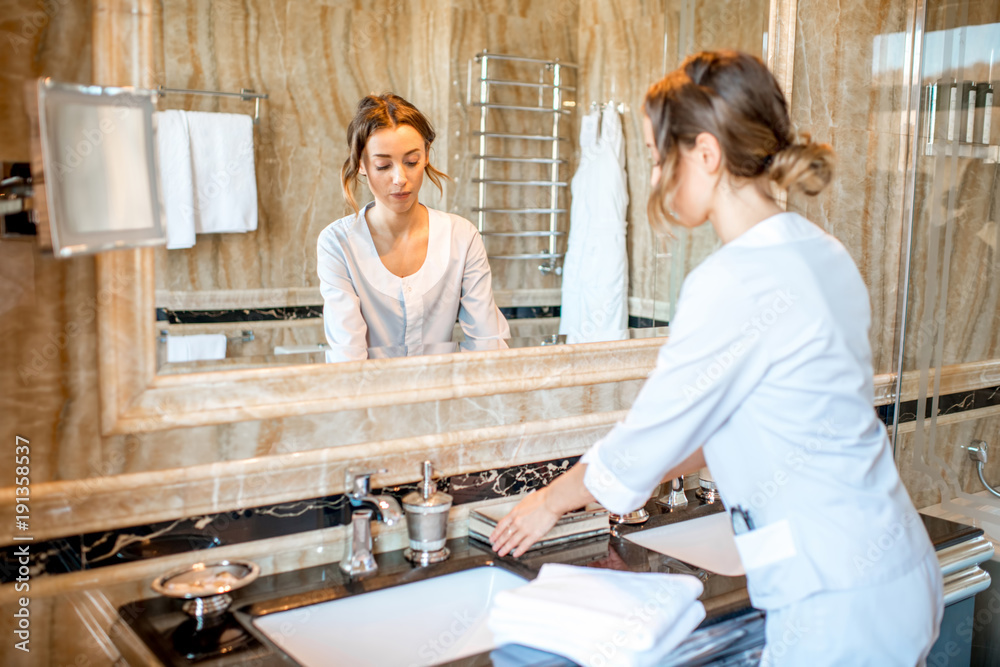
{"x":245,"y":94}
{"x":551,"y":80}
{"x":245,"y":336}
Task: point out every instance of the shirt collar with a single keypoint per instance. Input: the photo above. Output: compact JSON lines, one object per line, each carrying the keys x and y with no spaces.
{"x":780,"y":228}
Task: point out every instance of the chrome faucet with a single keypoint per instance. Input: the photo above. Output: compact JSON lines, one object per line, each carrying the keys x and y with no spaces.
{"x":676,"y":497}
{"x":359,"y":559}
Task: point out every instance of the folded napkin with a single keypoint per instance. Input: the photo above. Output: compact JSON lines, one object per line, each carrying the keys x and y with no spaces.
{"x":599,"y":617}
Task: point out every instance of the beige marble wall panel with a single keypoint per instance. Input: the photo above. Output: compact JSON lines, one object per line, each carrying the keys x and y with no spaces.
{"x":544,"y":30}
{"x":315,"y":60}
{"x":851,"y":95}
{"x":621,"y":47}
{"x":936,"y":466}
{"x":97,"y":503}
{"x":37,"y":39}
{"x":243,"y":440}
{"x":956,"y":235}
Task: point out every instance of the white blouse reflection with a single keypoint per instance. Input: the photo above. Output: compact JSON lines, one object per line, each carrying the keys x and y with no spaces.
{"x":397,"y":274}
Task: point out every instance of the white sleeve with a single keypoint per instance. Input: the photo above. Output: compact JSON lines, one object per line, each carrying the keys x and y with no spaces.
{"x":343,"y":323}
{"x":711,"y":362}
{"x":478,"y":314}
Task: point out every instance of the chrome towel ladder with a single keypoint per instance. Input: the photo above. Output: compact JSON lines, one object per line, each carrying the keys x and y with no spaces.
{"x":552,"y":258}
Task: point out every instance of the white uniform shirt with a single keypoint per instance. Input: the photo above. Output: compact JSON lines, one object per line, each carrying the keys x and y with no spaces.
{"x":768,"y":366}
{"x":367,"y":306}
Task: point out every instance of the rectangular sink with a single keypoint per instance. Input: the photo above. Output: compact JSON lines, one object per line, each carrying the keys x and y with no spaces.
{"x":706,"y":542}
{"x":416,"y":625}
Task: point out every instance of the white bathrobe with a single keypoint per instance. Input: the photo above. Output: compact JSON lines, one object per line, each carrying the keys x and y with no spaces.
{"x":595,"y":275}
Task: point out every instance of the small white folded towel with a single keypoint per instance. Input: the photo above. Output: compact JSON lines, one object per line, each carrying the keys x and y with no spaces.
{"x":599,"y":617}
{"x":195,"y":348}
{"x":225,"y":179}
{"x":173,"y":150}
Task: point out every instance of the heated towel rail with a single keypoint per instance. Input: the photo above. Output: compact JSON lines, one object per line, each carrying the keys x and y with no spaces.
{"x":493,"y":144}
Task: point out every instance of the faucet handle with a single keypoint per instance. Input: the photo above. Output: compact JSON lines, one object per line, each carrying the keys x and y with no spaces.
{"x":358,"y":482}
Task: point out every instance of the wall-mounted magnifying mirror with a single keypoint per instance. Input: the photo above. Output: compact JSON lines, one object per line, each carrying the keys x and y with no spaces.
{"x":93,"y":168}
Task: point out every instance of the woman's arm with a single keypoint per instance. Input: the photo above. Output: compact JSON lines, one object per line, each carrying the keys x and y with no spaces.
{"x":535,"y":515}
{"x":689,"y":465}
{"x":538,"y":512}
{"x":478,"y":314}
{"x":344,"y":326}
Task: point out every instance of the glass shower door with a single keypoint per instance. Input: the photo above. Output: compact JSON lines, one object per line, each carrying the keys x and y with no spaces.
{"x":950,"y":347}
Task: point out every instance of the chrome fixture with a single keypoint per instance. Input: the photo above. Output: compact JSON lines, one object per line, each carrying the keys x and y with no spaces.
{"x":630,"y":518}
{"x":359,"y":560}
{"x":550,"y":81}
{"x":245,"y":94}
{"x":708,"y":492}
{"x":246,"y":336}
{"x":427,"y":521}
{"x":206,"y":586}
{"x":977,"y":453}
{"x":676,"y":497}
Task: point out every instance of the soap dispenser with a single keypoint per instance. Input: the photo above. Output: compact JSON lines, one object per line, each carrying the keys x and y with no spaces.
{"x":427,"y":521}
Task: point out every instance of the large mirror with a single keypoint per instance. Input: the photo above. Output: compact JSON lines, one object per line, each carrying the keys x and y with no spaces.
{"x":258,"y":286}
{"x":512,"y":132}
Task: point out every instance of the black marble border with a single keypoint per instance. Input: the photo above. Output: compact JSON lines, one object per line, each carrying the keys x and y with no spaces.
{"x":124,"y":545}
{"x":224,"y":316}
{"x":90,"y":551}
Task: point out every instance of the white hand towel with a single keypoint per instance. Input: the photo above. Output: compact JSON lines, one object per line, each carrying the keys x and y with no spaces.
{"x":599,"y":616}
{"x":225,"y":179}
{"x":173,"y":150}
{"x":195,"y":348}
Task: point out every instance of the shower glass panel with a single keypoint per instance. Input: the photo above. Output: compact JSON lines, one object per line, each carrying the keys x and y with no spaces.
{"x":949,"y":350}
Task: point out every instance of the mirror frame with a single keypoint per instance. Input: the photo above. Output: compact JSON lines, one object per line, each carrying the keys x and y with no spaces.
{"x":135,"y":399}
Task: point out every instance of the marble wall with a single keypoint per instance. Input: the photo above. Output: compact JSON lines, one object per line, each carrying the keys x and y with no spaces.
{"x":850,"y":91}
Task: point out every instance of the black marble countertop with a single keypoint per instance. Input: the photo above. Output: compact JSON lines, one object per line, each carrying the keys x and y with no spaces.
{"x":175,"y":640}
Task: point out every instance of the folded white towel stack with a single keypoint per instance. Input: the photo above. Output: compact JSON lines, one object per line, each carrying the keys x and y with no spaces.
{"x":196,"y":348}
{"x":173,"y":150}
{"x":225,"y":179}
{"x":599,"y":617}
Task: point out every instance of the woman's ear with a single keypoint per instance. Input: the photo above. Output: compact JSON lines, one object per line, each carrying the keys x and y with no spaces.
{"x":708,"y":152}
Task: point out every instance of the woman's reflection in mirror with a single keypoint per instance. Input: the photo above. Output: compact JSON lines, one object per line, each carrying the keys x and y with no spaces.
{"x":397,"y":274}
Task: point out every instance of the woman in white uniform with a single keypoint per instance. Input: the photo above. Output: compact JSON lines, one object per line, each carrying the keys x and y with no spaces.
{"x":397,"y":275}
{"x":767,"y":379}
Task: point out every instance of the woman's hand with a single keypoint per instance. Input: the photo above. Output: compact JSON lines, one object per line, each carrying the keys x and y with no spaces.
{"x":525,"y":525}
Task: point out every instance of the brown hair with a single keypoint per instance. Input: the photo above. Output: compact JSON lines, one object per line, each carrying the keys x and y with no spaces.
{"x":736,"y":99}
{"x":377,"y":112}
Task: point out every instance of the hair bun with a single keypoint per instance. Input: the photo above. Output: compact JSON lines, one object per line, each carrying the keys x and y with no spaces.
{"x":804,"y":165}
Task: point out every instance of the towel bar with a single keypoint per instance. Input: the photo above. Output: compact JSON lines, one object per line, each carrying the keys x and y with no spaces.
{"x":531,"y":233}
{"x":514,"y":107}
{"x":245,"y":336}
{"x":551,"y":184}
{"x":527,"y":137}
{"x":485,"y":55}
{"x":519,"y":210}
{"x":245,"y":94}
{"x":526,"y":160}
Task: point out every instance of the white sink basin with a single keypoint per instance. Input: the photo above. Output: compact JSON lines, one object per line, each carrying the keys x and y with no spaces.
{"x":420,"y":624}
{"x":706,"y":542}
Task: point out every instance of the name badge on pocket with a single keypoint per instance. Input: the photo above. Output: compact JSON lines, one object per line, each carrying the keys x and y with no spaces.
{"x":766,"y":546}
